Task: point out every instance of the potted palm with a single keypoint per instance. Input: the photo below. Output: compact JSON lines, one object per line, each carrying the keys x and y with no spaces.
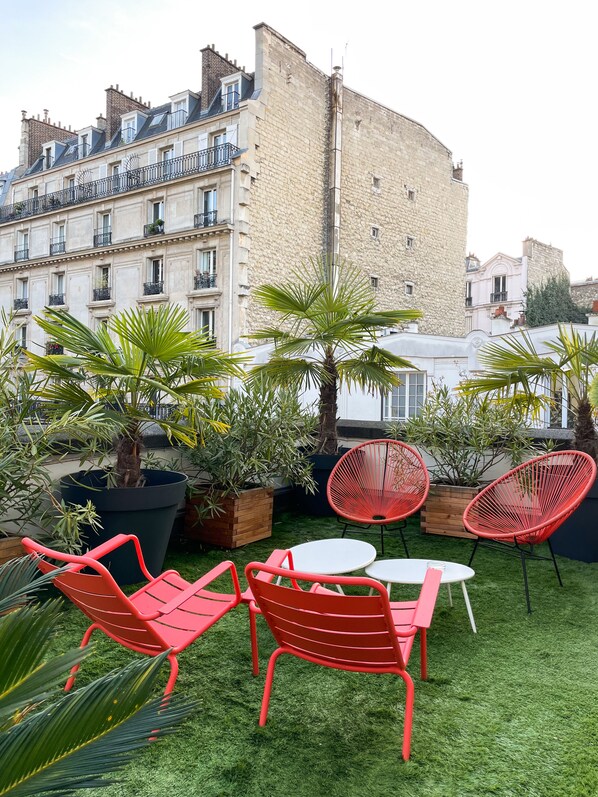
{"x":144,"y":370}
{"x":326,"y":335}
{"x":465,"y":437}
{"x":230,"y":503}
{"x":518,"y":373}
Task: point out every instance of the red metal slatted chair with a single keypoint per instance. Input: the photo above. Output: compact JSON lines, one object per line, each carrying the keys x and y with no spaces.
{"x":168,"y":613}
{"x":276,"y":559}
{"x":360,"y":633}
{"x":529,"y":503}
{"x":378,"y":483}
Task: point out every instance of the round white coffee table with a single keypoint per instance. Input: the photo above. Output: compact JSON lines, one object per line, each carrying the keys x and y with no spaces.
{"x":332,"y":557}
{"x":413,"y":571}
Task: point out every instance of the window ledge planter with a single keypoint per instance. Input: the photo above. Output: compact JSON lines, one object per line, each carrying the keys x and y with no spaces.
{"x":244,"y":518}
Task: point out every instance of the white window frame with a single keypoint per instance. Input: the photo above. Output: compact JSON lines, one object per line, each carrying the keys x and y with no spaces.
{"x":23,"y":288}
{"x":207,"y":261}
{"x":201,"y":315}
{"x":409,"y":288}
{"x":403,"y":401}
{"x":155,"y":267}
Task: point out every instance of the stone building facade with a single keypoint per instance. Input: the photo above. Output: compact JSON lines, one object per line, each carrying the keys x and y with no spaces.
{"x":495,"y":290}
{"x":585,"y":293}
{"x":217,"y":191}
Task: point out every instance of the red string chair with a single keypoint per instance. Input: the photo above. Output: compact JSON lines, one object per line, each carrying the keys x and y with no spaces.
{"x":378,"y":483}
{"x":526,"y":505}
{"x":359,"y":633}
{"x":168,"y":613}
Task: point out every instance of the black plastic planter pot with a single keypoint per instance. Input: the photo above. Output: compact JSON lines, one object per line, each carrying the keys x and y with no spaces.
{"x":577,"y":538}
{"x":322,"y":465}
{"x":148,"y":512}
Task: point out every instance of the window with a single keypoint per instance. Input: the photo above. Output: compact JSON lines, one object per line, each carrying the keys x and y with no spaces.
{"x":230,"y":95}
{"x":157,"y":210}
{"x":103,"y":236}
{"x":84,"y":145}
{"x":375,"y":183}
{"x":405,"y":400}
{"x":21,"y":301}
{"x":205,"y":322}
{"x":468,"y":296}
{"x":128,"y":131}
{"x":155,"y":277}
{"x":409,"y":242}
{"x":178,"y":115}
{"x":217,"y":156}
{"x":33,"y":193}
{"x":102,"y":290}
{"x":157,"y":119}
{"x":375,"y":233}
{"x":57,"y":295}
{"x":22,"y":336}
{"x":115,"y":173}
{"x":206,"y":270}
{"x":374,"y":283}
{"x":167,"y":156}
{"x":210,"y":205}
{"x":500,"y":289}
{"x":22,"y":250}
{"x":411,"y":194}
{"x":58,"y":242}
{"x":409,"y":289}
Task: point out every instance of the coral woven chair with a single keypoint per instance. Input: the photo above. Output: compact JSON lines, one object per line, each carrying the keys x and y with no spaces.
{"x":168,"y":613}
{"x":276,"y":559}
{"x":360,"y":633}
{"x":378,"y":483}
{"x":521,"y":509}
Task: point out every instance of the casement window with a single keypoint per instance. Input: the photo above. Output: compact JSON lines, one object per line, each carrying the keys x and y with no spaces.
{"x":499,"y":293}
{"x":405,"y":400}
{"x":230,"y":95}
{"x":205,"y":322}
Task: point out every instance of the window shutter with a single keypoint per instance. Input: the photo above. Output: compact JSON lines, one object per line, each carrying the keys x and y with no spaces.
{"x":231,"y":134}
{"x":203,"y":141}
{"x":103,"y":170}
{"x":152,"y":156}
{"x":178,"y":149}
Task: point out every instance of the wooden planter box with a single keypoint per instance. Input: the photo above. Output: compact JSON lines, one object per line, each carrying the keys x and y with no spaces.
{"x":443,"y":511}
{"x":245,"y":518}
{"x":10,"y":548}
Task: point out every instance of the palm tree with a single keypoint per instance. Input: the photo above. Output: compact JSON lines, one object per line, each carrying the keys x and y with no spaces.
{"x":515,"y":370}
{"x":138,"y":361}
{"x":57,"y":743}
{"x":327,"y":337}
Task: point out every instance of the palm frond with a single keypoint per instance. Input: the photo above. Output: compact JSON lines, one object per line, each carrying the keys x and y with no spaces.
{"x":294,"y":373}
{"x":74,"y":742}
{"x":20,"y":580}
{"x":374,"y":368}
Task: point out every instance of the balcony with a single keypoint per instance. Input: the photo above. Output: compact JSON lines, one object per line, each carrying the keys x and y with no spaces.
{"x":176,"y":119}
{"x":153,"y":288}
{"x":154,"y":228}
{"x":193,"y":163}
{"x":230,"y":100}
{"x":21,"y":304}
{"x":204,"y":280}
{"x":206,"y":219}
{"x":54,"y":348}
{"x":56,"y":299}
{"x":500,"y":296}
{"x":102,"y":237}
{"x":102,"y":294}
{"x":21,"y":254}
{"x":57,"y":246}
{"x":468,"y":301}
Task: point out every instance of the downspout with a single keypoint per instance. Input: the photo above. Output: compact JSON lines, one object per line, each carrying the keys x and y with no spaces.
{"x":334,"y":191}
{"x":231,"y":262}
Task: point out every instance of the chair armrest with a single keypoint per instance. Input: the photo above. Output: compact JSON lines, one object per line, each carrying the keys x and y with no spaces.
{"x":427,"y":598}
{"x":116,"y":542}
{"x":202,"y":582}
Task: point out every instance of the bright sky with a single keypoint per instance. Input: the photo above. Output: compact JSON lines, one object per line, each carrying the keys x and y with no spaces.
{"x":508,"y":87}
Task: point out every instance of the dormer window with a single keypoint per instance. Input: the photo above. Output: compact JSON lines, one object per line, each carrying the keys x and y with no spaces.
{"x":231,"y":94}
{"x":51,"y":151}
{"x":87,"y":140}
{"x":130,"y":125}
{"x":181,"y":105}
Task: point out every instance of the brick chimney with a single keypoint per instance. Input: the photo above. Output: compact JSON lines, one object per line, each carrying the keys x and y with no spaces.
{"x":118,"y":103}
{"x":213,"y":68}
{"x":34,"y":133}
{"x":458,"y":172}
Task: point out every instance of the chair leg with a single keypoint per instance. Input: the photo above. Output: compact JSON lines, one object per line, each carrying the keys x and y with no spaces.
{"x":556,"y":567}
{"x":404,"y":543}
{"x":268,"y":685}
{"x":174,"y":671}
{"x":475,"y":547}
{"x":524,"y":566}
{"x":408,"y":715}
{"x":255,"y":662}
{"x":423,"y":655}
{"x":84,"y":642}
{"x":382,"y":540}
{"x":345,"y":527}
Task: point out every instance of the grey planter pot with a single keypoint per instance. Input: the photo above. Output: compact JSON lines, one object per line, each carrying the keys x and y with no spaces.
{"x":577,"y":538}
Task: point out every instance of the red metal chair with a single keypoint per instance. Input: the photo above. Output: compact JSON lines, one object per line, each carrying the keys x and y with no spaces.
{"x":527,"y":504}
{"x":360,"y":633}
{"x":168,"y":613}
{"x":276,"y":559}
{"x":378,"y":483}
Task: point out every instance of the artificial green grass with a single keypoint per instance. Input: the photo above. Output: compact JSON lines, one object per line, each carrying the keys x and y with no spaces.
{"x":511,"y":711}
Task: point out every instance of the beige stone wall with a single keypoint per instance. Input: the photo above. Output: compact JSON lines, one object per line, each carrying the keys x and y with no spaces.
{"x":288,"y":160}
{"x":543,"y":261}
{"x":584,"y":293}
{"x":398,"y":178}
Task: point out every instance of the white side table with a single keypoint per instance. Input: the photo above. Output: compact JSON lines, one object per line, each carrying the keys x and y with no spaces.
{"x":332,"y":557}
{"x":413,"y":571}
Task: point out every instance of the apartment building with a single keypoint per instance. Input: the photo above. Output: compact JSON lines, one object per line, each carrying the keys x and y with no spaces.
{"x":224,"y":187}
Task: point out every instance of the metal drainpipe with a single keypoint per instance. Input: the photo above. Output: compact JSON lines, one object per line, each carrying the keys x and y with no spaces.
{"x":231,"y":262}
{"x":336,"y":131}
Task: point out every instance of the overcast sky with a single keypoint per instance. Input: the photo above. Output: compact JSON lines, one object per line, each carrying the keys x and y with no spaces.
{"x":508,"y":87}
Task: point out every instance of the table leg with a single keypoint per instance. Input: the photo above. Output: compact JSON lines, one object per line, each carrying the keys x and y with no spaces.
{"x":340,"y":589}
{"x":388,"y":586}
{"x":468,"y":605}
{"x":450,"y":594}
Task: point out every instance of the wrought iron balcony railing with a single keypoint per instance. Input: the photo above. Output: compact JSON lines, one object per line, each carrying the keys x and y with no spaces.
{"x":205,"y":280}
{"x":500,"y":296}
{"x":102,"y":294}
{"x":21,"y":254}
{"x":468,"y":301}
{"x":56,"y":298}
{"x":57,"y":246}
{"x":102,"y":237}
{"x":21,"y":304}
{"x":154,"y":228}
{"x":201,"y":161}
{"x":54,"y":348}
{"x":153,"y":288}
{"x":176,"y":119}
{"x":206,"y":219}
{"x":230,"y":100}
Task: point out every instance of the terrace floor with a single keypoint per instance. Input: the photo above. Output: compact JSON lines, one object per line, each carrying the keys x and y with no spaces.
{"x":511,"y":711}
